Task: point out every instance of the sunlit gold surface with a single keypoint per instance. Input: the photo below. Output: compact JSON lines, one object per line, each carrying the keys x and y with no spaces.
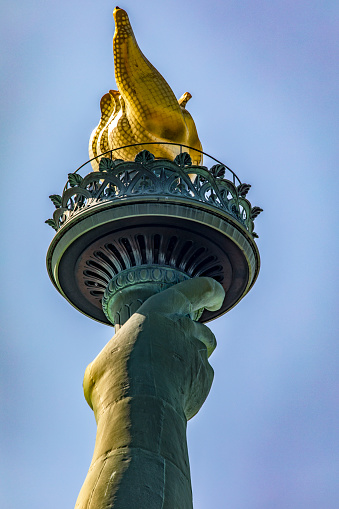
{"x":144,"y":109}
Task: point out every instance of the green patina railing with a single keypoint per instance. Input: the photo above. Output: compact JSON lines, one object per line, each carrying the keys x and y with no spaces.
{"x":148,"y":176}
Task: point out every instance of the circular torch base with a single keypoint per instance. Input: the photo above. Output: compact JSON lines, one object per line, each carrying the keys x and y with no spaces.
{"x":107,"y":239}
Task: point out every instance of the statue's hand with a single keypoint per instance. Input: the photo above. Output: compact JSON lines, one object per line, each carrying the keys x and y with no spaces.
{"x":167,"y":320}
{"x":182,"y":301}
{"x":161,"y":350}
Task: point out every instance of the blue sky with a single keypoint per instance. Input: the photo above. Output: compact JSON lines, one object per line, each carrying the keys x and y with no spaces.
{"x":264,"y":80}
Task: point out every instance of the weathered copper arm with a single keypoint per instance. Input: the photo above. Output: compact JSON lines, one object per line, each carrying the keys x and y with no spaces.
{"x":144,"y":385}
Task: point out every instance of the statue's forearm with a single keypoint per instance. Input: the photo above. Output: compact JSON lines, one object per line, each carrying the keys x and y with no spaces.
{"x":144,"y":385}
{"x":139,"y":438}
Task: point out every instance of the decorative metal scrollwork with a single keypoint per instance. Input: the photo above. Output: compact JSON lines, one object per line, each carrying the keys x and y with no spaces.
{"x":118,"y":179}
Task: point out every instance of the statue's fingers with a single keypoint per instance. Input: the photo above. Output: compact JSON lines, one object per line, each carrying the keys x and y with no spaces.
{"x":201,"y":292}
{"x":187,"y":297}
{"x":200,"y":332}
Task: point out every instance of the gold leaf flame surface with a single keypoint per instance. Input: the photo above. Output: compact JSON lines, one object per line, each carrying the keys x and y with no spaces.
{"x":143,"y":109}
